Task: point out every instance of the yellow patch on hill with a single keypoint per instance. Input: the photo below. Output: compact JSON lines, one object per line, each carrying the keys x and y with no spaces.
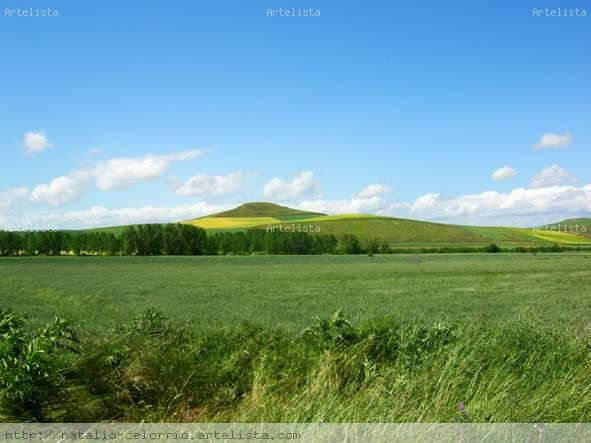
{"x":562,"y":237}
{"x":231,"y":222}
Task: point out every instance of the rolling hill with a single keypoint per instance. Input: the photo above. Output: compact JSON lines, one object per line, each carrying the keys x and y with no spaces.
{"x":580,"y":226}
{"x":250,"y":215}
{"x":396,"y":231}
{"x":262,"y":209}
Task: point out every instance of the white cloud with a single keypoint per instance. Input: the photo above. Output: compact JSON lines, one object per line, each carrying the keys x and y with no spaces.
{"x":519,"y":207}
{"x":551,"y":140}
{"x":35,"y":141}
{"x":304,"y":183}
{"x":372,"y":190}
{"x":369,"y":199}
{"x":12,"y":196}
{"x":98,"y":216}
{"x":211,"y":185}
{"x":352,"y":206}
{"x":559,"y":200}
{"x":552,"y":176}
{"x":62,"y":189}
{"x":504,"y":173}
{"x":123,"y":172}
{"x":116,"y":173}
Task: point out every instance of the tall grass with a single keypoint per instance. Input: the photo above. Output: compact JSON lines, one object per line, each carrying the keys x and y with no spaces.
{"x":387,"y":370}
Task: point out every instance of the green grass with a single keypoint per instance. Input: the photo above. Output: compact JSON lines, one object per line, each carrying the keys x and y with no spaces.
{"x":387,"y":370}
{"x":413,"y":233}
{"x":580,"y":225}
{"x":505,"y":334}
{"x":102,"y":292}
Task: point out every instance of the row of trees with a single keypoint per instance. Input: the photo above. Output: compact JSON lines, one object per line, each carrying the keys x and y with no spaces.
{"x":181,"y":239}
{"x":58,"y":243}
{"x":170,"y":239}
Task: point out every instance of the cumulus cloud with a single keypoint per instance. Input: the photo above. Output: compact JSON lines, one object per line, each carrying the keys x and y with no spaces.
{"x":551,"y":140}
{"x":369,"y":199}
{"x":35,"y":142}
{"x":372,"y":190}
{"x":552,"y":176}
{"x":123,"y":172}
{"x":303,"y":184}
{"x":210,"y":185}
{"x":519,"y":207}
{"x":116,"y":173}
{"x":504,"y":173}
{"x":62,"y":189}
{"x":12,"y":196}
{"x":560,"y":200}
{"x":97,"y":216}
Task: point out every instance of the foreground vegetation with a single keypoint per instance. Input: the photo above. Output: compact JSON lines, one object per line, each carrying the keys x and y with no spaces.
{"x":386,"y":370}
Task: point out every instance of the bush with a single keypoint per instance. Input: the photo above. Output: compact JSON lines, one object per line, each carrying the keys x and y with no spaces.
{"x":32,"y":363}
{"x":493,"y":248}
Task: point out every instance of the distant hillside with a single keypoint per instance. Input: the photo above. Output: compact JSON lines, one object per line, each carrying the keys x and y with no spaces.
{"x":413,"y":233}
{"x":262,"y":209}
{"x":398,"y":232}
{"x":580,"y":226}
{"x":573,"y":222}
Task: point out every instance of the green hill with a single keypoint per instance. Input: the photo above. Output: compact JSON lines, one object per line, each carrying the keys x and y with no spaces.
{"x":414,"y":233}
{"x":580,"y":226}
{"x":397,"y":232}
{"x":262,"y":209}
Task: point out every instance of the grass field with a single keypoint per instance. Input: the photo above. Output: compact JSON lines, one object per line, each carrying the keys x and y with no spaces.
{"x":506,"y":336}
{"x":290,"y":290}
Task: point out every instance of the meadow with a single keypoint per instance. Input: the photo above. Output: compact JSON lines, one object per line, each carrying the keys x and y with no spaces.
{"x":290,"y":290}
{"x":393,"y":338}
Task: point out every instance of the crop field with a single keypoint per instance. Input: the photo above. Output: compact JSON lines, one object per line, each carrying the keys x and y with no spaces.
{"x":263,"y":338}
{"x":288,"y":291}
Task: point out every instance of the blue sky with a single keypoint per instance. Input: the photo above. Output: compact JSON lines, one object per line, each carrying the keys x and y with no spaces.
{"x":126,"y":111}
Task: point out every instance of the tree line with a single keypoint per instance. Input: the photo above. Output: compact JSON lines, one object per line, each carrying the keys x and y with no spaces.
{"x":179,"y":239}
{"x":183,"y":239}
